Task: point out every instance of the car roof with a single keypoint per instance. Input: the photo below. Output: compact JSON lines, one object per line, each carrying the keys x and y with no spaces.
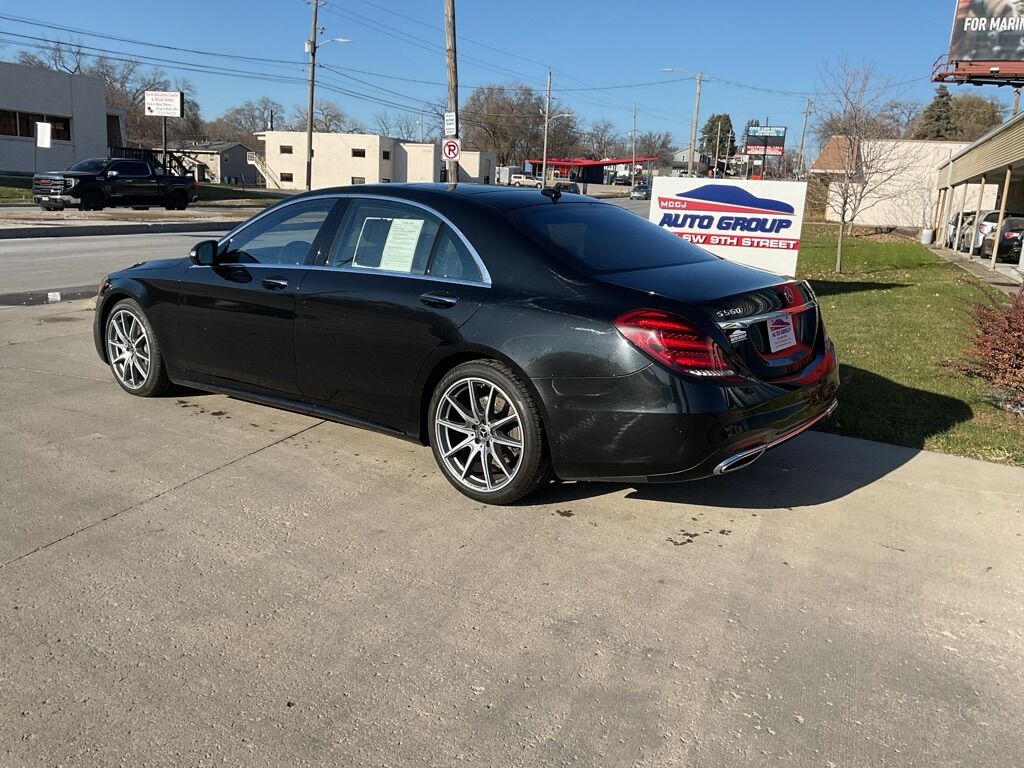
{"x":501,"y":197}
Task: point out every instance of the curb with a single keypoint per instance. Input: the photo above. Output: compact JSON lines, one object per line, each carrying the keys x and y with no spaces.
{"x":90,"y":230}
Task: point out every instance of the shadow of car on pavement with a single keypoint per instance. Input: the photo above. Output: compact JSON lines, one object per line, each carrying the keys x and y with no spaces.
{"x":812,"y":468}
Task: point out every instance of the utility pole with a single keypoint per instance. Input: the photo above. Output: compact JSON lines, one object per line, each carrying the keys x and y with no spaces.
{"x":803,"y":135}
{"x":421,"y":126}
{"x":693,"y":124}
{"x":547,"y":118}
{"x":718,"y":143}
{"x":632,"y":167}
{"x":453,"y":78}
{"x":311,"y":50}
{"x":1016,"y":104}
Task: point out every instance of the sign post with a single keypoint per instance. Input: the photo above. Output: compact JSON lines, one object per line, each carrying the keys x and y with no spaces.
{"x":165,"y":104}
{"x":452,"y":151}
{"x":765,"y":140}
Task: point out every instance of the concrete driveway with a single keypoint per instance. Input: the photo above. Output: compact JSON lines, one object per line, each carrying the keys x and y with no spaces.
{"x":199,"y":581}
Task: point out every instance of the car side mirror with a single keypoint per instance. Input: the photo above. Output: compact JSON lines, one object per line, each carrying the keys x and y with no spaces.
{"x":204,"y":253}
{"x":111,"y":174}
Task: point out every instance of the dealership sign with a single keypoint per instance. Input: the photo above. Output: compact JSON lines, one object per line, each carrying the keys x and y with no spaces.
{"x":756,"y":223}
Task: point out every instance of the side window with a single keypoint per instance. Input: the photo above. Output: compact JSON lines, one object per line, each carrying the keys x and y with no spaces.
{"x":131,"y":169}
{"x":282,"y":237}
{"x":386,"y":236}
{"x":992,"y":217}
{"x":453,"y":260}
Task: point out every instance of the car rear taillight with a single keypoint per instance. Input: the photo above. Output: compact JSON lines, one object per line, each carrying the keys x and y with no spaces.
{"x":675,"y":342}
{"x":1011,"y":235}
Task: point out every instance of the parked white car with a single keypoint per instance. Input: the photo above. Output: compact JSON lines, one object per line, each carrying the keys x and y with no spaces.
{"x":524,"y":180}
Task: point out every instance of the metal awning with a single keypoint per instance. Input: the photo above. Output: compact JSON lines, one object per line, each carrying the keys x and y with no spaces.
{"x":998,"y":149}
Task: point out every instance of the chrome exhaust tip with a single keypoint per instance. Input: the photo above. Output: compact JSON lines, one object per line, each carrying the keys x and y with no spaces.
{"x":740,"y":460}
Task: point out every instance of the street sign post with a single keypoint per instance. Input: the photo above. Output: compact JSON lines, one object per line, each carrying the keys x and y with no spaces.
{"x":451,"y":149}
{"x":164,"y":104}
{"x":449,"y":124}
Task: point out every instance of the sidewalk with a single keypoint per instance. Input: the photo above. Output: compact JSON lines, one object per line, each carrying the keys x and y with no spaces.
{"x":19,"y":221}
{"x":1005,"y":277}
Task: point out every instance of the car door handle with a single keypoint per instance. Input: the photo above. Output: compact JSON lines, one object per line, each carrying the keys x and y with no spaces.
{"x":274,"y":283}
{"x":439,"y":300}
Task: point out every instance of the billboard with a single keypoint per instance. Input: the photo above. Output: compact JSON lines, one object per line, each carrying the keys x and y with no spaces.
{"x":756,"y":223}
{"x":765,"y":140}
{"x":987,"y":30}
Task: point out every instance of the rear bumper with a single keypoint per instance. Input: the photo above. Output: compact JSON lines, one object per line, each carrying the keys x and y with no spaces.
{"x":653,"y":426}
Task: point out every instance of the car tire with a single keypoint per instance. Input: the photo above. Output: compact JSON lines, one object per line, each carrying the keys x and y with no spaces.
{"x":92,"y":200}
{"x":133,"y":351}
{"x":516,"y":184}
{"x":538,"y":185}
{"x":493,"y":451}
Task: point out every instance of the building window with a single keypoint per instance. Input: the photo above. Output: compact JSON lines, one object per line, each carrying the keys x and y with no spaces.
{"x":358,"y":153}
{"x":286,"y":149}
{"x":387,"y":154}
{"x":358,"y":179}
{"x":24,"y":124}
{"x":287,"y":177}
{"x":61,"y":128}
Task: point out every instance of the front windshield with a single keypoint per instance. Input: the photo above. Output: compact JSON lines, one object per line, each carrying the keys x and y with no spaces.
{"x":93,"y":165}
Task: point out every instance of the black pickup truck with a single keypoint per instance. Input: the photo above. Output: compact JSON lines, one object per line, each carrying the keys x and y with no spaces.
{"x":99,"y":183}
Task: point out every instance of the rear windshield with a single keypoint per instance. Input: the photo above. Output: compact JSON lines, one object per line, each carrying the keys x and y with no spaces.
{"x":599,"y":237}
{"x":94,"y":165}
{"x":1014,"y":223}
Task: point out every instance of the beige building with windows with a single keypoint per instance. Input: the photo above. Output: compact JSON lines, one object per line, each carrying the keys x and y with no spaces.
{"x":343,"y":159}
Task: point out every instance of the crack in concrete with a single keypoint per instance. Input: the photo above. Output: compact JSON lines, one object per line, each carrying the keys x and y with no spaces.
{"x":164,"y":492}
{"x":3,"y":366}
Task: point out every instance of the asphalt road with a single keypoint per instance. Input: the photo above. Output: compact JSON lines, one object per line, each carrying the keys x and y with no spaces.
{"x":195,"y":580}
{"x":64,"y":263}
{"x":67,"y":264}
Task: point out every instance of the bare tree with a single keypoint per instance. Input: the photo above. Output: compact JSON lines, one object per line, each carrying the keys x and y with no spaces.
{"x":328,"y":117}
{"x":865,"y":165}
{"x":403,"y":125}
{"x":602,"y":141}
{"x":63,"y":57}
{"x":241,"y":122}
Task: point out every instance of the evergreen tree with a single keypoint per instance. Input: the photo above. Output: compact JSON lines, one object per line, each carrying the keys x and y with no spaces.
{"x":716,"y":138}
{"x":937,"y":120}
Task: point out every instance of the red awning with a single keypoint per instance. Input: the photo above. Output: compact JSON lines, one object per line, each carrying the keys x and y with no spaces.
{"x":582,"y":162}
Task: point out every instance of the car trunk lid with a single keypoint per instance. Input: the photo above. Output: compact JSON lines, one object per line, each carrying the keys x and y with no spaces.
{"x":769,"y":323}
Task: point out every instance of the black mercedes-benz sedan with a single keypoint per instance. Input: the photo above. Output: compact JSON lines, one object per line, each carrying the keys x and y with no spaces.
{"x":524,"y":335}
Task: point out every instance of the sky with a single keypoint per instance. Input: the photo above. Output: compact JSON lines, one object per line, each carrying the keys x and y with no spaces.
{"x":745,"y":49}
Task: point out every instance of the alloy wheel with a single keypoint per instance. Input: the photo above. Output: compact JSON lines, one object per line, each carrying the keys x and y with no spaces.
{"x":479,"y":434}
{"x":128,"y":349}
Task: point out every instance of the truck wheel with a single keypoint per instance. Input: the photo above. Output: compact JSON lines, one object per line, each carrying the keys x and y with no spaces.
{"x":92,"y":200}
{"x":177,"y":201}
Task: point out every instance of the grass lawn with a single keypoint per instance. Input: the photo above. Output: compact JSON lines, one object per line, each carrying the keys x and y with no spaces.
{"x":15,"y":189}
{"x":897,"y":316}
{"x":209,"y":192}
{"x":19,"y":189}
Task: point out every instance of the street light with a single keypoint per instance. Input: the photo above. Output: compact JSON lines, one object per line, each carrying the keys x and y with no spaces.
{"x":312,"y":46}
{"x":544,"y":159}
{"x":696,"y":112}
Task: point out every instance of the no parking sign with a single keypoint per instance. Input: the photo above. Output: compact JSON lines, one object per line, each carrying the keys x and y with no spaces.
{"x":451,"y":149}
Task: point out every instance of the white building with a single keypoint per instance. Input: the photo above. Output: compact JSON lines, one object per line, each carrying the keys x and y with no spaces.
{"x":73,"y":105}
{"x":905,"y":188}
{"x":342,"y":159}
